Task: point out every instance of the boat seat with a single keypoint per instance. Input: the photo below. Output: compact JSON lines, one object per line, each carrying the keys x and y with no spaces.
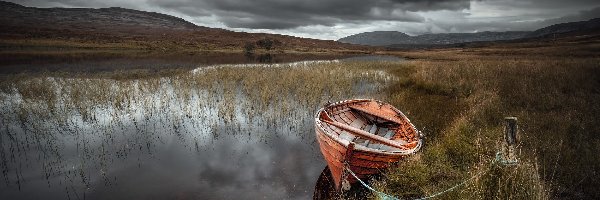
{"x":357,"y":124}
{"x":371,"y":128}
{"x":388,"y":148}
{"x":383,"y":132}
{"x":345,"y":135}
{"x":389,"y":134}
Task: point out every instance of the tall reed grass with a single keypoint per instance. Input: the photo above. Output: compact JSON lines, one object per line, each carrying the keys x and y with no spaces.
{"x":100,"y":117}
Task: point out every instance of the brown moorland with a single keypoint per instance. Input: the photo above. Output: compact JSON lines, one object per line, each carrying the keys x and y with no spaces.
{"x":29,"y":28}
{"x":459,"y":98}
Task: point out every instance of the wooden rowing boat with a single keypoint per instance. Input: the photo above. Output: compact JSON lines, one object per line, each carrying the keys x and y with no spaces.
{"x":365,"y":136}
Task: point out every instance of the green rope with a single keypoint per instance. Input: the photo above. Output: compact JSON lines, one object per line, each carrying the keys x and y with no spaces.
{"x":381,"y":195}
{"x":503,"y":161}
{"x":499,"y":160}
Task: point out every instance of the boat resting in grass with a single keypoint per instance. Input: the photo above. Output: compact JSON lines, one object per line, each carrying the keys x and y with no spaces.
{"x":364,"y":135}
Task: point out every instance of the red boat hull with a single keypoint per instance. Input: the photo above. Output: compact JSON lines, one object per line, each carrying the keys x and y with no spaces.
{"x":341,"y":154}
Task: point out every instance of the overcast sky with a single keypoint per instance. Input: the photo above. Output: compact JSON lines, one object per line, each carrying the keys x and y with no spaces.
{"x":333,"y":19}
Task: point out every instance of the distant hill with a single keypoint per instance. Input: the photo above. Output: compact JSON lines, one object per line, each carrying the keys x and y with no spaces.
{"x":393,"y":37}
{"x":132,"y":29}
{"x":377,"y":38}
{"x":399,"y":39}
{"x":582,"y":26}
{"x":85,"y":19}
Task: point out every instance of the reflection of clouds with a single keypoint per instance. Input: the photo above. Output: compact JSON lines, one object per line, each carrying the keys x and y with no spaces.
{"x":165,"y":139}
{"x":234,"y":167}
{"x":275,"y":169}
{"x":143,"y":156}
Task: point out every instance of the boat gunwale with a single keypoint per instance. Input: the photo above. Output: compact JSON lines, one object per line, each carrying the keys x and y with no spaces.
{"x":345,"y":143}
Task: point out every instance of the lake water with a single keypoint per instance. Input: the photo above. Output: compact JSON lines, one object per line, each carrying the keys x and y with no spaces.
{"x":12,"y":63}
{"x":215,"y":131}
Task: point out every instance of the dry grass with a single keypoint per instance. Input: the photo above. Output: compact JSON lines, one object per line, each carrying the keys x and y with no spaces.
{"x":459,"y":98}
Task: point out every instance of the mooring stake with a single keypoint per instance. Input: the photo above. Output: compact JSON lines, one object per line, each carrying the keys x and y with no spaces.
{"x":510,"y":130}
{"x":510,"y":134}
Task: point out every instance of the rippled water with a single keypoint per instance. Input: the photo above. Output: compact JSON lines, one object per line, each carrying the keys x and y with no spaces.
{"x":220,"y":132}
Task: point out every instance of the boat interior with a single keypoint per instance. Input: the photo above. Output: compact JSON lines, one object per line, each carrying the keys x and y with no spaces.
{"x":377,"y":119}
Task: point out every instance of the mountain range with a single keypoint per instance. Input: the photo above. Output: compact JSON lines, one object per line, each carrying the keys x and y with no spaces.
{"x":119,"y":28}
{"x":399,"y":39}
{"x":25,"y":27}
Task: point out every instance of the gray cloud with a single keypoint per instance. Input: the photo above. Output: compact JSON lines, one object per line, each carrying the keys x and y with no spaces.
{"x":508,"y":22}
{"x":285,"y":14}
{"x":333,"y":19}
{"x":581,"y":16}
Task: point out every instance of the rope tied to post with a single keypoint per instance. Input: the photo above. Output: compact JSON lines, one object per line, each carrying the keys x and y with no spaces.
{"x":499,"y":159}
{"x":510,"y":135}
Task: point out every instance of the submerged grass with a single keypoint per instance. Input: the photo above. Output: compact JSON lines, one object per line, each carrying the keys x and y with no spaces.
{"x":115,"y":114}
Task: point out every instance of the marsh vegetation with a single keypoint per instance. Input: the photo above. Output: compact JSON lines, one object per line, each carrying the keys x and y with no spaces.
{"x":457,"y":97}
{"x":247,"y":127}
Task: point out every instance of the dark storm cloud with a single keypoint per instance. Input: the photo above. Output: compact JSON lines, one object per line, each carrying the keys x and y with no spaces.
{"x":333,"y":19}
{"x":581,"y":16}
{"x":510,"y":22}
{"x":431,"y":5}
{"x":284,"y":14}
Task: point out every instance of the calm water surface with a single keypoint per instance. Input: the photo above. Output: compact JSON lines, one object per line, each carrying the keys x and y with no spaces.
{"x":166,"y":138}
{"x":97,"y":62}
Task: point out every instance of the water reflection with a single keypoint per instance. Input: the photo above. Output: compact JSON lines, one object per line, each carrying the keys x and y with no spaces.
{"x":222,"y":132}
{"x":11,"y":63}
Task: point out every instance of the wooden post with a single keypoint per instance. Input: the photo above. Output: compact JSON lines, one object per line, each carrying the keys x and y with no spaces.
{"x":510,"y":130}
{"x":510,"y":134}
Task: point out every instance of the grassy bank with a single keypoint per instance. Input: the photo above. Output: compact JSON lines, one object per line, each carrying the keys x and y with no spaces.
{"x":459,"y":98}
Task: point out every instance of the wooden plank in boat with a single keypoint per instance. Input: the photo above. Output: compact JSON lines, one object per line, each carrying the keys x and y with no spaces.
{"x":345,"y":119}
{"x":389,"y":134}
{"x":388,"y":148}
{"x":386,"y":134}
{"x":373,"y":108}
{"x":334,"y":129}
{"x":374,"y":145}
{"x":345,"y":135}
{"x":350,"y":116}
{"x":373,"y":130}
{"x":359,"y":140}
{"x":362,"y":133}
{"x":339,"y":109}
{"x":357,"y":124}
{"x":337,"y":118}
{"x":382,"y":131}
{"x":368,"y":129}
